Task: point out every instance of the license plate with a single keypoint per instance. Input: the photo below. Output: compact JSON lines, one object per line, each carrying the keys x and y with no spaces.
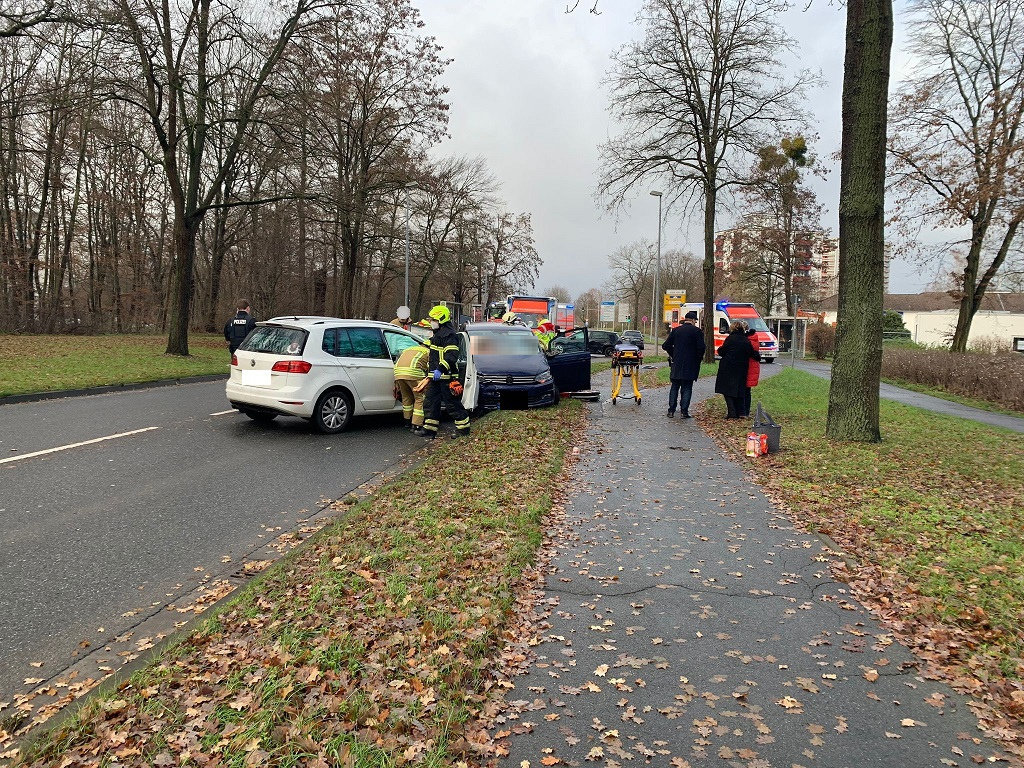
{"x":256,"y":378}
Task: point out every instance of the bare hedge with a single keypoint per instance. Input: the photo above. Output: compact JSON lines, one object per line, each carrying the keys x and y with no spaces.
{"x":996,"y":378}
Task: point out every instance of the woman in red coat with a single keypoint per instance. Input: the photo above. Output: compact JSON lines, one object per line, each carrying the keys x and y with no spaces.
{"x":753,"y":371}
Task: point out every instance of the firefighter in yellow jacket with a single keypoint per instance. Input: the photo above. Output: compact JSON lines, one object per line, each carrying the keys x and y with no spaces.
{"x":411,"y":370}
{"x":444,"y":383}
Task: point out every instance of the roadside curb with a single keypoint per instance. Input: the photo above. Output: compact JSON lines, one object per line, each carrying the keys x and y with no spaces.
{"x":33,"y":397}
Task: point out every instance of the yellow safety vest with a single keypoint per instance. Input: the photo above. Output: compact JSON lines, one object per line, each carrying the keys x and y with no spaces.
{"x":412,"y":364}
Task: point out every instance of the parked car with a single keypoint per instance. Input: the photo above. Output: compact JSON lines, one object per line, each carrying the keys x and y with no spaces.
{"x":600,"y":342}
{"x":507,"y":369}
{"x":323,"y":369}
{"x":632,"y":337}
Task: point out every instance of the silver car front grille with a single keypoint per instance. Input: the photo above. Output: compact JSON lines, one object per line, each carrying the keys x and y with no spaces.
{"x":503,"y":379}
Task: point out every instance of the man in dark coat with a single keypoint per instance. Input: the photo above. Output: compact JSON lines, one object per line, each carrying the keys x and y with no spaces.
{"x":238,"y":327}
{"x":685,"y":347}
{"x":731,"y":383}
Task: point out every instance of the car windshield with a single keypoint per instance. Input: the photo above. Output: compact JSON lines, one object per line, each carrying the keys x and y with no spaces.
{"x":756,"y":324}
{"x":275,"y":340}
{"x":503,"y":343}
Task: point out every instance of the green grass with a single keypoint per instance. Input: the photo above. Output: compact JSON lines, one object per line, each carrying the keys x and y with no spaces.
{"x":936,"y":508}
{"x":55,"y":363}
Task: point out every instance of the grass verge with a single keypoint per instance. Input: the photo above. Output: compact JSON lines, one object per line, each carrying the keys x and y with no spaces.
{"x":55,"y":363}
{"x":379,"y":643}
{"x":933,"y":516}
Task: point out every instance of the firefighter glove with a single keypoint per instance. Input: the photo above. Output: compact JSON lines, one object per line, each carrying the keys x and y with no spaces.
{"x":437,"y":374}
{"x":456,"y":388}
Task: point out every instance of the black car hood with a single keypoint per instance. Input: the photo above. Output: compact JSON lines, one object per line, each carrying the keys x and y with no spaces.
{"x":511,"y":365}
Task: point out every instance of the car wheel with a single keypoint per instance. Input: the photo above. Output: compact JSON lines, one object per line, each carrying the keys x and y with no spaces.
{"x":607,"y":351}
{"x":333,"y":412}
{"x":261,"y":416}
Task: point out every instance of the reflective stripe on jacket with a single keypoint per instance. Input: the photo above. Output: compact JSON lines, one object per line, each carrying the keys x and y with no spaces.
{"x":412,"y":363}
{"x":444,"y":352}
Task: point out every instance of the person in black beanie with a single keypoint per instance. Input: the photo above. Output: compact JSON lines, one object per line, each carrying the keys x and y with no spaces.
{"x":685,"y":347}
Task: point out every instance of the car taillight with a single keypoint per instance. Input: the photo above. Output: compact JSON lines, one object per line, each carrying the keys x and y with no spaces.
{"x":234,"y":360}
{"x":292,"y":366}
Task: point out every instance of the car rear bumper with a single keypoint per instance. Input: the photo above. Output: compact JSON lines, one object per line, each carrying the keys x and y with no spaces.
{"x":289,"y":401}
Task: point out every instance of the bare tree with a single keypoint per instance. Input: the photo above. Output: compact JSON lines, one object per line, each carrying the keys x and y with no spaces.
{"x":588,"y":304}
{"x":456,"y":189}
{"x":780,"y":226}
{"x":513,"y":262}
{"x":174,"y":58}
{"x":559,"y":292}
{"x":376,"y":96}
{"x":632,"y":267}
{"x":702,"y":90}
{"x":957,"y":148}
{"x":681,"y":270}
{"x":853,"y":405}
{"x":17,"y":18}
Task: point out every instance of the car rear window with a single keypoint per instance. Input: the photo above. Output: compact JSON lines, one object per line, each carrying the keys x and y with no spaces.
{"x":275,"y":340}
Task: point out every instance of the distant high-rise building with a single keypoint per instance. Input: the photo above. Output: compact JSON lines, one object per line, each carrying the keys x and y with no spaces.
{"x":829,"y":271}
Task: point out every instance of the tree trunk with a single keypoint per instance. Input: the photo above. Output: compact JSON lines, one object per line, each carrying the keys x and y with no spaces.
{"x":856,"y":370}
{"x":710,"y":198}
{"x":975,"y":287}
{"x":181,"y":285}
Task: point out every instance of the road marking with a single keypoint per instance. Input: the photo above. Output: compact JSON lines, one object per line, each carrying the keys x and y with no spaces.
{"x":77,"y":445}
{"x":222,"y":413}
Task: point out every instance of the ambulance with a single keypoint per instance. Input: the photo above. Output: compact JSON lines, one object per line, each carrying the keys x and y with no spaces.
{"x":726,"y":312}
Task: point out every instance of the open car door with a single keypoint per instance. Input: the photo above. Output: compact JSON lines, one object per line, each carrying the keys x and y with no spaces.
{"x":467,"y":374}
{"x":569,"y":359}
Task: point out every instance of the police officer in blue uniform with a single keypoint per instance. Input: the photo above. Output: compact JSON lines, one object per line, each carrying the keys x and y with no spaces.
{"x":238,"y":327}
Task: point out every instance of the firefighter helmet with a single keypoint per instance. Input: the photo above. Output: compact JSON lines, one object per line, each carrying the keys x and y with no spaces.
{"x":440,"y":313}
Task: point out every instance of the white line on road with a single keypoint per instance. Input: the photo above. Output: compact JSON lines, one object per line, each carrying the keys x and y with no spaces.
{"x":223,"y":413}
{"x":76,"y":445}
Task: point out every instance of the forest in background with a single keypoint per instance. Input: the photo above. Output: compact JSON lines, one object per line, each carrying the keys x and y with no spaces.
{"x":159,"y":162}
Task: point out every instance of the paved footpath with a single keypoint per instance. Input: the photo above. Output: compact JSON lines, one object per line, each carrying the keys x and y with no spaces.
{"x":695,"y":625}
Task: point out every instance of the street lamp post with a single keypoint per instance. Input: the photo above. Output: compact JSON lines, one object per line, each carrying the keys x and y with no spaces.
{"x":407,"y":187}
{"x":656,"y":313}
{"x":796,"y":320}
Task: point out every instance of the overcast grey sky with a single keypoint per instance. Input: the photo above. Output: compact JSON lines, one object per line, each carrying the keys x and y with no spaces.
{"x":527,"y":95}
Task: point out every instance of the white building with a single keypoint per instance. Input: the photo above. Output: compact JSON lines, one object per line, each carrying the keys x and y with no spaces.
{"x":931,"y":317}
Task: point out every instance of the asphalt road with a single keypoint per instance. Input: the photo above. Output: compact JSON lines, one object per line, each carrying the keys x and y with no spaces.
{"x":95,"y":535}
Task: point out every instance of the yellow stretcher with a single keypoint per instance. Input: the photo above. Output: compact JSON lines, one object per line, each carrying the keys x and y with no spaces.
{"x":626,"y":360}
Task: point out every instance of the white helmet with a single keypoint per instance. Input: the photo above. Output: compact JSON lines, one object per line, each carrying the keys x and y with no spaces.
{"x":404,"y":313}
